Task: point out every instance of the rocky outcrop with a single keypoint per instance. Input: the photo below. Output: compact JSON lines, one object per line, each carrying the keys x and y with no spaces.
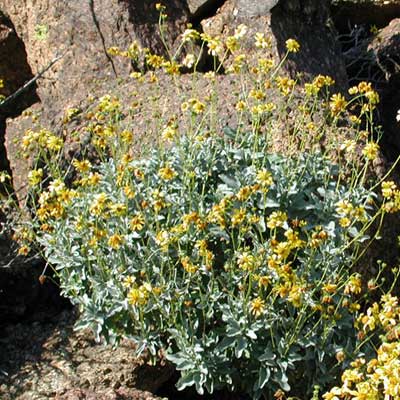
{"x":83,"y":31}
{"x":305,"y":21}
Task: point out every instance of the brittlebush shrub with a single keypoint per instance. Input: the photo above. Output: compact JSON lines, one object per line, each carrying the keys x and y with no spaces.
{"x":232,"y":261}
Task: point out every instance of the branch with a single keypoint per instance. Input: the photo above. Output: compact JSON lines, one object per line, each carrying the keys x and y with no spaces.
{"x":23,"y":88}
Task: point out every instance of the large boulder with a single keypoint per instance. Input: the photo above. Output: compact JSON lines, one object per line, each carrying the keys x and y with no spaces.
{"x":82,"y":32}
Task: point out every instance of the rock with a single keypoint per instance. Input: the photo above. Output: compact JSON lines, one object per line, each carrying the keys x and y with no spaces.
{"x":83,"y":31}
{"x":384,"y":53}
{"x":305,"y":21}
{"x":255,"y":8}
{"x":12,"y":54}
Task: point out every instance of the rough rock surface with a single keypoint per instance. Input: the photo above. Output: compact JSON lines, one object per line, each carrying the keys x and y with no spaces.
{"x":49,"y":360}
{"x":254,"y":8}
{"x":305,"y":21}
{"x":82,"y":31}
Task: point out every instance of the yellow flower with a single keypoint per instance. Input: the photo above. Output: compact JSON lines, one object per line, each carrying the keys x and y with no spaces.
{"x":348,"y":146}
{"x":261,"y":41}
{"x":285,"y":85}
{"x":137,"y":296}
{"x":24,"y":250}
{"x":115,"y":241}
{"x":137,"y":222}
{"x":292,"y":46}
{"x":264,"y":178}
{"x":197,"y":106}
{"x":232,"y":43}
{"x":333,"y":394}
{"x":188,"y":266}
{"x":354,"y":285}
{"x":257,"y":307}
{"x":276,"y":219}
{"x":129,"y":281}
{"x":35,"y":176}
{"x":169,"y":133}
{"x":4,"y":176}
{"x":238,"y":216}
{"x":247,"y":261}
{"x":154,"y":60}
{"x":163,"y":240}
{"x":166,"y":173}
{"x":266,"y":64}
{"x":189,"y":35}
{"x":118,"y":209}
{"x":129,"y":192}
{"x":330,"y":288}
{"x":244,"y":193}
{"x":388,"y":189}
{"x":337,"y":103}
{"x":215,"y":46}
{"x":344,"y":222}
{"x":98,"y":204}
{"x":353,"y":90}
{"x":371,"y":150}
{"x":240,"y":105}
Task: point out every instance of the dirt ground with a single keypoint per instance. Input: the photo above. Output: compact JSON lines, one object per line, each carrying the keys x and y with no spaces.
{"x":49,"y":360}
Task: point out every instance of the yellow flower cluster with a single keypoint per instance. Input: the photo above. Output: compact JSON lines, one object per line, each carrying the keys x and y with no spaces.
{"x":349,"y":213}
{"x":285,"y":84}
{"x":379,"y":378}
{"x":365,"y":89}
{"x":371,"y":150}
{"x":391,"y":195}
{"x":42,"y":139}
{"x":139,"y":295}
{"x":53,"y":201}
{"x":320,"y":81}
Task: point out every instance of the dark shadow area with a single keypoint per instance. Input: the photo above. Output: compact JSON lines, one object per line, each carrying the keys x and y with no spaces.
{"x":144,"y":16}
{"x":207,"y":10}
{"x":350,"y":13}
{"x":15,"y":72}
{"x":320,"y":51}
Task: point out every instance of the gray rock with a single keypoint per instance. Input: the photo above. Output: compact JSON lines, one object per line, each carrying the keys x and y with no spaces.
{"x":255,"y":8}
